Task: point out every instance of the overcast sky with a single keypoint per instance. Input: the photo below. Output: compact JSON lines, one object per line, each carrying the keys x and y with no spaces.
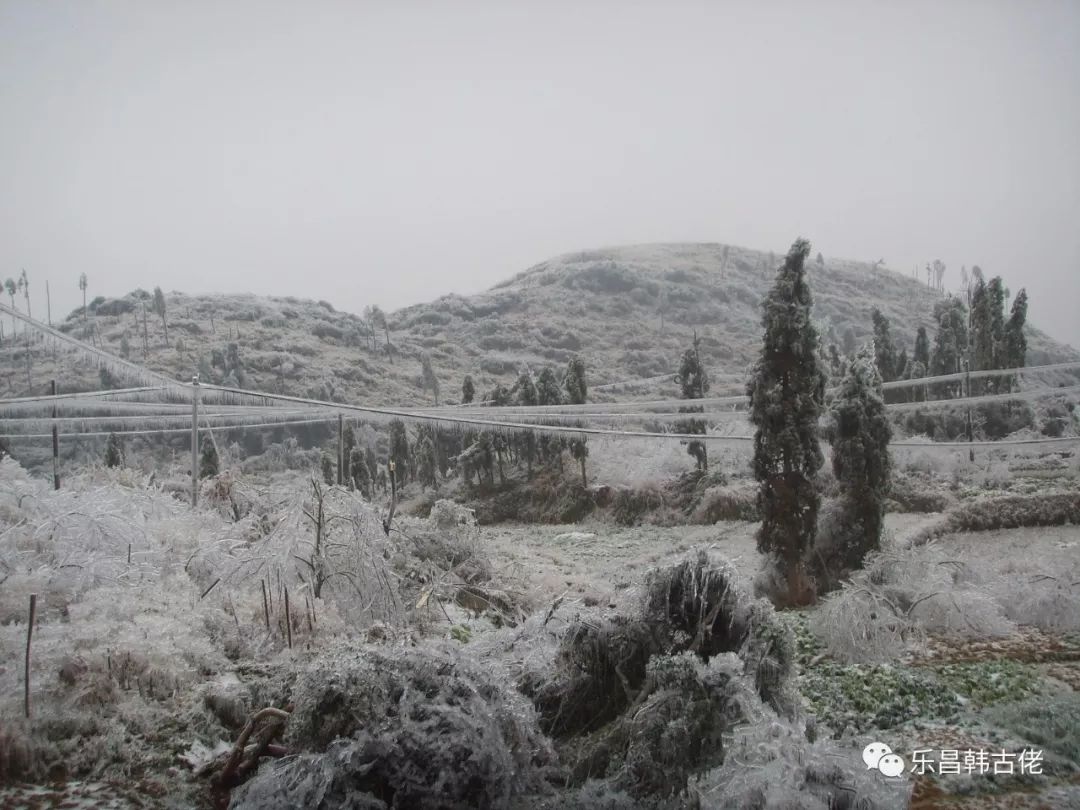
{"x":390,"y":152}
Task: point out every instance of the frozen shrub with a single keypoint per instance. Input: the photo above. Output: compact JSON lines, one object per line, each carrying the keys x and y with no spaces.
{"x":771,"y":764}
{"x":618,"y":687}
{"x":423,"y":728}
{"x":1008,"y":512}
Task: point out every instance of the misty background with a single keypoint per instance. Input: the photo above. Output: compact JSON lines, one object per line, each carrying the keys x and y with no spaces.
{"x":388,"y":153}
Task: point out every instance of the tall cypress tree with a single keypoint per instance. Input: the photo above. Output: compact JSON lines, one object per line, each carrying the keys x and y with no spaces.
{"x":884,"y":350}
{"x":468,"y":390}
{"x":982,"y":339}
{"x":1015,"y":343}
{"x":950,"y":342}
{"x":922,"y":348}
{"x":577,"y":390}
{"x":399,"y":450}
{"x":787,"y":392}
{"x":358,"y":472}
{"x":694,"y":383}
{"x":861,"y":463}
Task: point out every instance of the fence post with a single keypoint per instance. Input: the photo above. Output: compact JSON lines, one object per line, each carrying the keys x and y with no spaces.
{"x":340,"y":448}
{"x":195,"y":440}
{"x":29,"y":638}
{"x":55,"y":444}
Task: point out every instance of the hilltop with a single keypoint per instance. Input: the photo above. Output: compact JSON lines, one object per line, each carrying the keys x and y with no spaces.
{"x":630,"y":311}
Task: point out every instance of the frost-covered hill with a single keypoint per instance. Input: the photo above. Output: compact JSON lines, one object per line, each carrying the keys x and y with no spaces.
{"x":630,"y":311}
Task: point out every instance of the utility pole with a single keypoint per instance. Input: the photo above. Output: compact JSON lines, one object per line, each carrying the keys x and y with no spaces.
{"x":195,"y":440}
{"x":340,"y":448}
{"x":55,"y":444}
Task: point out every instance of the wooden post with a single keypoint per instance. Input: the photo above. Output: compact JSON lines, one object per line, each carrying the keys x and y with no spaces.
{"x":29,"y":638}
{"x":266,"y":609}
{"x":195,"y":440}
{"x":340,"y":448}
{"x":48,"y":303}
{"x":288,"y":617}
{"x":55,"y":444}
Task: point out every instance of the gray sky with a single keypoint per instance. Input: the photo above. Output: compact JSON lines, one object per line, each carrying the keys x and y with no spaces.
{"x":390,"y":152}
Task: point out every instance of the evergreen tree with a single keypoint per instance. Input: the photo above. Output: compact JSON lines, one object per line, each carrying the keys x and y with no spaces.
{"x":468,"y":390}
{"x":399,"y":450}
{"x":114,"y":451}
{"x":884,"y":350}
{"x":427,"y":374}
{"x":922,"y":347}
{"x":548,"y":392}
{"x":427,"y":464}
{"x":358,"y":472}
{"x":209,"y":465}
{"x":901,"y":369}
{"x":982,"y":338}
{"x":159,"y":309}
{"x":995,"y":291}
{"x":11,"y":288}
{"x":577,"y":389}
{"x":1015,"y":342}
{"x":861,"y":463}
{"x":348,"y":442}
{"x":579,"y":449}
{"x":378,"y":320}
{"x":82,"y":286}
{"x":950,"y":342}
{"x":694,"y":384}
{"x":529,"y":397}
{"x":787,"y":391}
{"x":372,"y":465}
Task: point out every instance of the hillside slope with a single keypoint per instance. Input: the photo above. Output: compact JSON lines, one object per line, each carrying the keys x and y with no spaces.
{"x":605,"y":304}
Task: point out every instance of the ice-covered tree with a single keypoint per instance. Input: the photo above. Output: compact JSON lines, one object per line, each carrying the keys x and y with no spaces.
{"x":922,"y":347}
{"x":577,"y":387}
{"x":861,"y":463}
{"x":427,"y":463}
{"x":468,"y":389}
{"x":114,"y":451}
{"x":399,"y":450}
{"x":693,"y":382}
{"x":427,"y":374}
{"x":358,"y":472}
{"x":372,"y":465}
{"x":884,"y":350}
{"x":24,"y":285}
{"x":11,"y":288}
{"x":787,"y":391}
{"x":160,"y":309}
{"x":579,"y":449}
{"x":209,"y":464}
{"x":378,"y":320}
{"x":950,"y":341}
{"x":82,"y":286}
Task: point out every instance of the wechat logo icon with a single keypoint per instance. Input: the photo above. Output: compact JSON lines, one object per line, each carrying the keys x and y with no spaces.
{"x":879,"y":756}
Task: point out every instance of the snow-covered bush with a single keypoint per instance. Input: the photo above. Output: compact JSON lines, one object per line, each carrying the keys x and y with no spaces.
{"x":422,"y":728}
